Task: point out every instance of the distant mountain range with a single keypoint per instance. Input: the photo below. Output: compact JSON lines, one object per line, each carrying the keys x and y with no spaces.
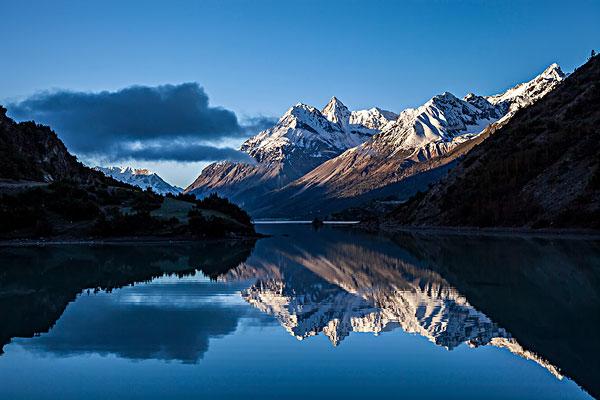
{"x":141,"y":178}
{"x":527,"y":157}
{"x":312,"y":162}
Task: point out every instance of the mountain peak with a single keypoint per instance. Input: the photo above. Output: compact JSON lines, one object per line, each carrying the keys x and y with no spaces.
{"x":526,"y":93}
{"x":334,"y":101}
{"x":127,"y":170}
{"x":336,"y":112}
{"x":445,"y":96}
{"x":553,"y":72}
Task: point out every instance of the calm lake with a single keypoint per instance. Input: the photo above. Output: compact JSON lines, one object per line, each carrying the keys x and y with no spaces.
{"x":303,"y":314}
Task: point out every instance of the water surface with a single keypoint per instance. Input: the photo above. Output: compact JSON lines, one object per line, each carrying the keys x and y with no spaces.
{"x":305,"y":313}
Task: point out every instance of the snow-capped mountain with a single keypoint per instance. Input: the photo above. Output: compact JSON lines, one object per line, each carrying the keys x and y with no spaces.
{"x":304,"y":131}
{"x":373,"y":118}
{"x":526,"y":93}
{"x":319,"y":161}
{"x":303,"y":138}
{"x":443,"y":118}
{"x":422,"y":139}
{"x":556,"y":137}
{"x":142,"y":178}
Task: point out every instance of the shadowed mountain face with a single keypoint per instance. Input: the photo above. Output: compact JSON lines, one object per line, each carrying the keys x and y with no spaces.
{"x":33,"y":152}
{"x":540,"y":170}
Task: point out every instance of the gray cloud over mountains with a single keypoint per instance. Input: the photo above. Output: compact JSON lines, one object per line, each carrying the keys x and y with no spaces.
{"x":179,"y":151}
{"x":178,"y":117}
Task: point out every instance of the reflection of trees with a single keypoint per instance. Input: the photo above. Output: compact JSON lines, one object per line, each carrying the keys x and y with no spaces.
{"x":37,"y":283}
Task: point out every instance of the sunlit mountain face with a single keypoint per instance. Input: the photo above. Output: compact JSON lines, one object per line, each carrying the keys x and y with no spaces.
{"x":520,"y":313}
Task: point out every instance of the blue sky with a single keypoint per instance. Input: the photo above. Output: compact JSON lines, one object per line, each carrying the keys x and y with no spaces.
{"x":256,"y":58}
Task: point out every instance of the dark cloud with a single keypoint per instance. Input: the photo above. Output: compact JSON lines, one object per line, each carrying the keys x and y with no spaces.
{"x":253,"y":125}
{"x":178,"y":152}
{"x":101,"y":123}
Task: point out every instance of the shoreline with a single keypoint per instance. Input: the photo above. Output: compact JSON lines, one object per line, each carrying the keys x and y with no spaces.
{"x":562,"y":233}
{"x":140,"y":240}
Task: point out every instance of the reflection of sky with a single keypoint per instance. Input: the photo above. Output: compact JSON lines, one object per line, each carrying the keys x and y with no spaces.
{"x":168,"y":318}
{"x":263,"y":361}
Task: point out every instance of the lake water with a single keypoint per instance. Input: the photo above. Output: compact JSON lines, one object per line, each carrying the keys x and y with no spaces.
{"x":303,"y":314}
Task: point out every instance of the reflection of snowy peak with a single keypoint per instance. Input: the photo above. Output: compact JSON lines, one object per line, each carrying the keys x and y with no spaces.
{"x":353,"y":289}
{"x":337,"y":307}
{"x":142,"y":178}
{"x":317,"y":308}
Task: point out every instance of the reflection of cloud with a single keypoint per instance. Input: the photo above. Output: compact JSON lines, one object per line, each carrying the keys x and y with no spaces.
{"x":136,"y":323}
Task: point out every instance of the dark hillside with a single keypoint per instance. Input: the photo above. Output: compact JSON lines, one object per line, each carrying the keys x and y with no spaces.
{"x":46,"y":193}
{"x":33,"y":152}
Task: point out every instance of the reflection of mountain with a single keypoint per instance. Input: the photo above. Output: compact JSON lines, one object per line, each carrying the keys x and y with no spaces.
{"x":41,"y":282}
{"x":355,"y":289}
{"x":338,"y":283}
{"x":545,"y":292}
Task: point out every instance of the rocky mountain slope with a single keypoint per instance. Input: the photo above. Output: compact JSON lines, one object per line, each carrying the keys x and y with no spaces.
{"x":303,"y":138}
{"x":539,"y":169}
{"x":411,"y":152}
{"x":141,"y":178}
{"x":32,"y":152}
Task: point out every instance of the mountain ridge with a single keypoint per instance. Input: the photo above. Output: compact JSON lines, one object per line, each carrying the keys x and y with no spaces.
{"x":46,"y":193}
{"x":316,"y":162}
{"x":538,"y":170}
{"x":303,"y":138}
{"x":419,"y":140}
